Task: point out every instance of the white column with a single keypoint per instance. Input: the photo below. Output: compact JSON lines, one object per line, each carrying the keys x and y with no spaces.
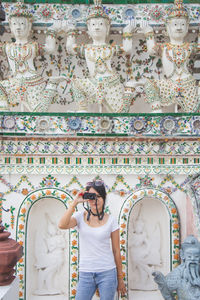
{"x":10,"y":291}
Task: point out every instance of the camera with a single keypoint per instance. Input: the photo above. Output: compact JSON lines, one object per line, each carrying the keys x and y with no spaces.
{"x":89,"y":196}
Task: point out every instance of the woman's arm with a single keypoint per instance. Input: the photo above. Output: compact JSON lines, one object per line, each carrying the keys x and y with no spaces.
{"x":67,"y":221}
{"x":116,"y":252}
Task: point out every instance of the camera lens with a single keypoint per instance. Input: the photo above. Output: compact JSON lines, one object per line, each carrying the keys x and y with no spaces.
{"x":89,"y":196}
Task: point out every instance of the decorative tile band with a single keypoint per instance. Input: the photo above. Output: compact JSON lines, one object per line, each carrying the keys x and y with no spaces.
{"x":98,"y":146}
{"x":156,"y":13}
{"x":95,"y":161}
{"x":100,"y":169}
{"x":147,"y":125}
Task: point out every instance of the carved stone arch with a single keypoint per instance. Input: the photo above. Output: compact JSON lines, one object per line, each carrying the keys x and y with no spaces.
{"x":21,"y":237}
{"x":124,"y":217}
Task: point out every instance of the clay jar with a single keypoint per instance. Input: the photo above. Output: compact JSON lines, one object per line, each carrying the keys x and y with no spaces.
{"x":10,"y":253}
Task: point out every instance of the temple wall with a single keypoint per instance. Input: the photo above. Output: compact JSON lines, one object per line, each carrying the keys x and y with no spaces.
{"x":40,"y":175}
{"x":149,"y":162}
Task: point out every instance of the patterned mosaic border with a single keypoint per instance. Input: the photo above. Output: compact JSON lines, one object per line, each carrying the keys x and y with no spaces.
{"x":30,"y":149}
{"x":124,"y":225}
{"x":99,"y":155}
{"x":101,"y":170}
{"x":119,"y":14}
{"x":21,"y":237}
{"x":146,"y":125}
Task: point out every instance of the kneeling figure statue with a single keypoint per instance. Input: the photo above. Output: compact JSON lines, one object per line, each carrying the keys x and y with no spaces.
{"x":26,"y":89}
{"x":178,"y":87}
{"x":103,"y":86}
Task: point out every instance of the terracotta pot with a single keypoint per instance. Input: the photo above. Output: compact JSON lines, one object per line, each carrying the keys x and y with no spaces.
{"x":10,"y":253}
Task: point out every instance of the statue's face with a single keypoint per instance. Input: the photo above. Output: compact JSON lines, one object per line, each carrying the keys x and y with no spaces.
{"x":177,"y":28}
{"x":20,"y":27}
{"x":98,"y":27}
{"x":192,"y":255}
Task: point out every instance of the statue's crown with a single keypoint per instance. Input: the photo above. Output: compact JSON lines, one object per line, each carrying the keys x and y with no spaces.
{"x":178,"y":11}
{"x":97,"y":11}
{"x":20,"y":9}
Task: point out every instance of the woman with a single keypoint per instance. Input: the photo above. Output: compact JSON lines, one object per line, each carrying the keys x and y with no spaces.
{"x":99,"y":266}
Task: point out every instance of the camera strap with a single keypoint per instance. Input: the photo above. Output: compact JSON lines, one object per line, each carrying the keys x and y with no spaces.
{"x":100,"y":215}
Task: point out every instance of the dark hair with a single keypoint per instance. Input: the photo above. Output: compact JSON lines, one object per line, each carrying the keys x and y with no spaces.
{"x":100,"y":189}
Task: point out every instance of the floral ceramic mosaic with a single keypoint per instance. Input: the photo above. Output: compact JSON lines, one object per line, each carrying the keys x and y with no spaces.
{"x":44,"y":13}
{"x":148,"y":125}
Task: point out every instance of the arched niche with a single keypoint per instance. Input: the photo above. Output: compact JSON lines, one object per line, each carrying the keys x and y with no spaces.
{"x":37,"y":216}
{"x":162,"y":209}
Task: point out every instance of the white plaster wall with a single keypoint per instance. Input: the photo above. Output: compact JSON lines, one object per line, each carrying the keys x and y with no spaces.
{"x":56,"y":209}
{"x":114,"y":200}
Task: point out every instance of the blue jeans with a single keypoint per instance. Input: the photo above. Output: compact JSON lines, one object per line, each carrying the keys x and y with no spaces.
{"x":105,"y":281}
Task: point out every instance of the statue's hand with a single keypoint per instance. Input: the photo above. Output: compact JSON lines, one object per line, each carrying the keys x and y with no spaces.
{"x":144,"y":28}
{"x":57,"y":26}
{"x":67,"y":27}
{"x":158,"y":277}
{"x":130,"y":27}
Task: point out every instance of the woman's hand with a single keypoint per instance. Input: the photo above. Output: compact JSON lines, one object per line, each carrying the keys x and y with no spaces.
{"x":79,"y":198}
{"x":121,"y":287}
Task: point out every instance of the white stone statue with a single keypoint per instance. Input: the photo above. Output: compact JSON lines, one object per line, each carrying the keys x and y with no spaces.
{"x":103,"y":85}
{"x":179,"y":87}
{"x":144,"y":256}
{"x":26,"y":89}
{"x":49,"y":253}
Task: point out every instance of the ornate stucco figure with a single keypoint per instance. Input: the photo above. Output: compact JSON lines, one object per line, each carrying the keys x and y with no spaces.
{"x":26,"y":89}
{"x":49,"y":253}
{"x":103,"y":85}
{"x":185,"y":279}
{"x":144,"y":256}
{"x":178,"y":87}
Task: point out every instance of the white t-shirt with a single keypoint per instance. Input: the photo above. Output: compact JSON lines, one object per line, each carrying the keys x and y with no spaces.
{"x":95,"y":245}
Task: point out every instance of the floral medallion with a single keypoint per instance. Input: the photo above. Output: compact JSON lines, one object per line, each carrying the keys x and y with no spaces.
{"x":168,"y":125}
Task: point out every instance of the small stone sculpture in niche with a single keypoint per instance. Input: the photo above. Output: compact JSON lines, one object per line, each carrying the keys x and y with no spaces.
{"x":26,"y":89}
{"x":144,"y":256}
{"x":49,"y":253}
{"x":179,"y":87}
{"x":185,"y":279}
{"x":103,"y":86}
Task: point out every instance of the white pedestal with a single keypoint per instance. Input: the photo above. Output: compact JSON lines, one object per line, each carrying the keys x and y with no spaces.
{"x":141,"y":295}
{"x":11,"y":291}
